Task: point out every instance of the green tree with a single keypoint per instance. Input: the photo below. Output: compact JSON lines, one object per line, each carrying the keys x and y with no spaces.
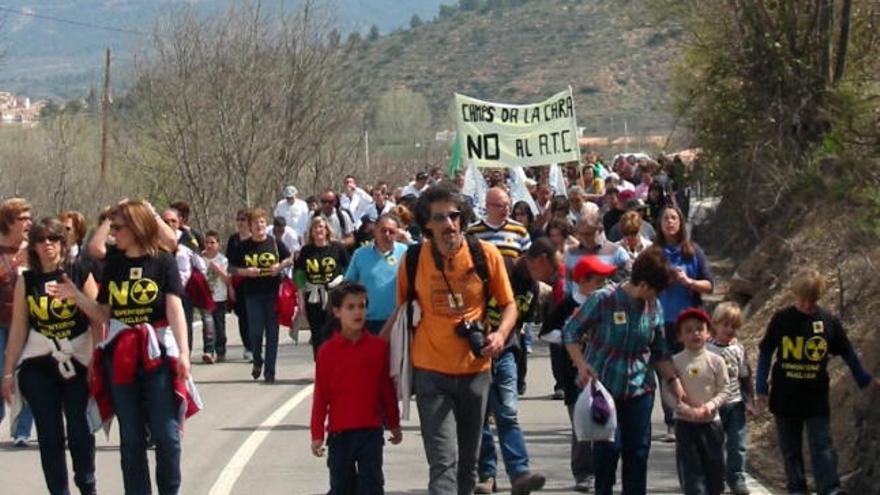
{"x":374,"y":33}
{"x":415,"y":21}
{"x":402,"y":116}
{"x":446,"y":11}
{"x":469,"y":5}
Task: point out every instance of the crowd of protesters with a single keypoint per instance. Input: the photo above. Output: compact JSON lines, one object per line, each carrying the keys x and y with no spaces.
{"x":424,"y":291}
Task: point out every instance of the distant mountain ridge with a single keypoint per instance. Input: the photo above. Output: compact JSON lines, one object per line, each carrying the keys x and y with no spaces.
{"x":47,"y":58}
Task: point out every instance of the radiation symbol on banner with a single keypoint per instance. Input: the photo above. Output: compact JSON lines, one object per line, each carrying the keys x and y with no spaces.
{"x":266,"y":260}
{"x":816,"y":348}
{"x":144,"y":291}
{"x":63,"y":309}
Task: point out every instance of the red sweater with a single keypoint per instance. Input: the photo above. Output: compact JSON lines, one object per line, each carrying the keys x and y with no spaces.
{"x":353,"y":386}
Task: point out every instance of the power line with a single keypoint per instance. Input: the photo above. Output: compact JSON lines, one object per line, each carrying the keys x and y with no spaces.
{"x":71,"y":22}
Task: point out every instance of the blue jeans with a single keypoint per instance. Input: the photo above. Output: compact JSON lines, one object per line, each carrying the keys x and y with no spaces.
{"x":214,"y":330}
{"x":355,"y":461}
{"x":54,"y":400}
{"x":25,"y":420}
{"x":262,"y":320}
{"x":632,"y":443}
{"x":148,"y":401}
{"x":823,"y":456}
{"x":502,"y":402}
{"x":733,"y":418}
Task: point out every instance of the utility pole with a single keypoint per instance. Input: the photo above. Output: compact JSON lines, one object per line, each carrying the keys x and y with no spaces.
{"x":367,"y":148}
{"x":105,"y":115}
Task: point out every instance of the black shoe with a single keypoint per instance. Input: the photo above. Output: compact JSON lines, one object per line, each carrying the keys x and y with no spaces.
{"x":269,"y":378}
{"x":256,"y":372}
{"x":527,"y":483}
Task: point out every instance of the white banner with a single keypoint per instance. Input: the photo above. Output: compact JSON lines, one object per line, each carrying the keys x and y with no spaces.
{"x":501,"y":136}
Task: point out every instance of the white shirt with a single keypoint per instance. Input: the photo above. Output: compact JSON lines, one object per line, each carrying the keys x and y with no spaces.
{"x":219,"y":292}
{"x":289,"y":238}
{"x":374,"y":213}
{"x":356,"y":204}
{"x":296,"y":215}
{"x":411,"y":189}
{"x":626,"y":185}
{"x":187,"y":259}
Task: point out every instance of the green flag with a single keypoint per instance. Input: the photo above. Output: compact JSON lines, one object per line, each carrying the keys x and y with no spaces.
{"x":454,"y":157}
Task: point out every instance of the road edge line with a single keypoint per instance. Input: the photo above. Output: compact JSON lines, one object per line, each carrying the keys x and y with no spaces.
{"x":239,"y":460}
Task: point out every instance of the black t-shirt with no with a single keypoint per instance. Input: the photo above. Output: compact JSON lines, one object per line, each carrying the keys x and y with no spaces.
{"x":53,"y":317}
{"x":259,"y":254}
{"x":322,"y":264}
{"x":802,"y":344}
{"x":135,"y":288}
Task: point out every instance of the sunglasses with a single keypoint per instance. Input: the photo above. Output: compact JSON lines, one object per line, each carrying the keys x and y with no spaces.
{"x":442,"y":217}
{"x":51,"y":238}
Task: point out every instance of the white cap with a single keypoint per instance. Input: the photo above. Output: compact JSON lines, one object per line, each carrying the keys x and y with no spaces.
{"x":290,"y":191}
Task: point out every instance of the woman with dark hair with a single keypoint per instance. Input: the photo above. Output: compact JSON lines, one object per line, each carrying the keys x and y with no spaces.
{"x":559,"y":230}
{"x":241,"y":234}
{"x":656,"y":201}
{"x":692,"y":279}
{"x":15,"y":222}
{"x":54,"y":383}
{"x":523,"y":214}
{"x":144,"y":385}
{"x":625,"y":344}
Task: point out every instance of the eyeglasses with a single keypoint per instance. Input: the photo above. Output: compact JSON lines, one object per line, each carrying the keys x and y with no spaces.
{"x":51,"y":238}
{"x":453,"y":215}
{"x":115,"y":227}
{"x":327,"y":201}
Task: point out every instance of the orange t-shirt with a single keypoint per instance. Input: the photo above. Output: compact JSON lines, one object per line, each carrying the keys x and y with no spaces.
{"x":436,"y":346}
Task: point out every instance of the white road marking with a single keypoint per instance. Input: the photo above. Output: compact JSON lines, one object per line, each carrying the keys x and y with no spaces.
{"x":239,"y":460}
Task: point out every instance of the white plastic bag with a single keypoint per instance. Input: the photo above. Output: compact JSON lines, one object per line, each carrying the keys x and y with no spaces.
{"x":593,"y":421}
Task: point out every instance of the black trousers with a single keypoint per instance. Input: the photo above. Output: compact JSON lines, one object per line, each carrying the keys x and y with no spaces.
{"x":699,"y":456}
{"x":355,"y":462}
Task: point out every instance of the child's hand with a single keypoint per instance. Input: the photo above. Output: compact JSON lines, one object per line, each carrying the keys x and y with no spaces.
{"x":318,"y":448}
{"x":751,"y":410}
{"x":396,"y":436}
{"x":704,"y":412}
{"x":684,"y":411}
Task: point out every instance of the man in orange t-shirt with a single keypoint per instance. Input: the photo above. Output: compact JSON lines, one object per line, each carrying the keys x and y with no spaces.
{"x":451,"y":382}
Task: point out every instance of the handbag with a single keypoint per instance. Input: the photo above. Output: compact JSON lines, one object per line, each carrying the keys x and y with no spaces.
{"x":285,"y":301}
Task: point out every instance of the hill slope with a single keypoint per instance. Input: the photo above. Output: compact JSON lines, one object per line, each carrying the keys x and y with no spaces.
{"x":50,"y":58}
{"x":618,"y":69}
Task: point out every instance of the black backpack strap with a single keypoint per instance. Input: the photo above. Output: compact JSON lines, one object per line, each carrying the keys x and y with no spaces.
{"x":478,"y":256}
{"x":412,"y":262}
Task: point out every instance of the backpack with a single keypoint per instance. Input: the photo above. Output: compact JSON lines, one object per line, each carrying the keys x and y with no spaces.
{"x":478,"y":256}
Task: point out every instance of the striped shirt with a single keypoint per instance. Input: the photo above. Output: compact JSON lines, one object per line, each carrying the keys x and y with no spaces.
{"x":624,"y":340}
{"x":511,"y":238}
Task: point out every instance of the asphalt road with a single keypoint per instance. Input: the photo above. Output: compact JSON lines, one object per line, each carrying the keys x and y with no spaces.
{"x":254,"y":438}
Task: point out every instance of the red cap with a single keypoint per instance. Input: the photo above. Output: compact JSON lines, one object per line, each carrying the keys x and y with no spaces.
{"x":697,"y":313}
{"x":626,"y":195}
{"x":591,"y":265}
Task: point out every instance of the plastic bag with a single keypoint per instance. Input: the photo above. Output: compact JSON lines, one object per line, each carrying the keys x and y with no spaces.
{"x":595,"y":417}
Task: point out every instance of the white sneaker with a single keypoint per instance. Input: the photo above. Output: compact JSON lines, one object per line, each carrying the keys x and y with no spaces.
{"x":248,"y":356}
{"x":552,"y":337}
{"x":20,"y":441}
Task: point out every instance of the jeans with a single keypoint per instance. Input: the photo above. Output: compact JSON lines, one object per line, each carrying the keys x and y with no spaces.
{"x":262,"y":320}
{"x":25,"y":419}
{"x":502,"y":402}
{"x":699,"y":457}
{"x":54,"y":400}
{"x":243,"y":330}
{"x":733,"y":419}
{"x":214,"y":330}
{"x":148,"y":401}
{"x":823,"y":456}
{"x":632,"y":443}
{"x":581,"y":453}
{"x":355,"y":461}
{"x":451,"y":412}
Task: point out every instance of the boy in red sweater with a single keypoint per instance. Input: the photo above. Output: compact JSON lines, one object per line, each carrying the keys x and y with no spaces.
{"x":353,"y":387}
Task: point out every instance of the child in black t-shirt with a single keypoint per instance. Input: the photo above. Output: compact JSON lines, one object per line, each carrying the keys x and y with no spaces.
{"x":802,"y":336}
